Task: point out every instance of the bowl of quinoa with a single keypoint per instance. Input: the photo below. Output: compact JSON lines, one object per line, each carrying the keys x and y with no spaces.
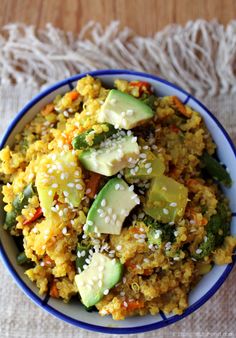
{"x":117,"y":209}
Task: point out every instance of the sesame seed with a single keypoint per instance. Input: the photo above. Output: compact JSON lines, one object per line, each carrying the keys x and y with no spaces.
{"x":66,"y":193}
{"x":83,"y":253}
{"x":70,"y":185}
{"x":198,"y":251}
{"x":85,"y":266}
{"x":119,"y":247}
{"x":107,"y":219}
{"x":60,"y":213}
{"x":117,"y":186}
{"x":173,"y":204}
{"x":205,"y":239}
{"x":165,"y":211}
{"x":42,"y":264}
{"x":87,"y":261}
{"x":164,"y":188}
{"x":142,"y":155}
{"x":64,"y":230}
{"x":90,"y":222}
{"x":54,"y":209}
{"x":113,"y":101}
{"x":192,"y":221}
{"x":176,"y":258}
{"x":141,"y":240}
{"x":122,"y":293}
{"x":88,"y":191}
{"x":176,"y":233}
{"x":103,"y":202}
{"x":148,"y":165}
{"x":124,"y":280}
{"x":79,"y":187}
{"x":125,"y":304}
{"x":146,"y":260}
{"x":149,"y":170}
{"x":105,"y":292}
{"x":62,"y":176}
{"x":100,"y":284}
{"x":123,"y":114}
{"x":137,"y":200}
{"x":50,"y":192}
{"x":134,"y":139}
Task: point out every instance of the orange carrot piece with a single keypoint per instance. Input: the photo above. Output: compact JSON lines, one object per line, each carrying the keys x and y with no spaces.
{"x":93,"y":184}
{"x":73,"y":95}
{"x":180,"y":106}
{"x":48,"y":109}
{"x":54,"y":290}
{"x":135,"y":304}
{"x":144,"y":87}
{"x":38,"y":214}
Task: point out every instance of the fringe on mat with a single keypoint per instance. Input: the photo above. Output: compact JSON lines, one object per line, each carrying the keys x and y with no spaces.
{"x":200,"y":57}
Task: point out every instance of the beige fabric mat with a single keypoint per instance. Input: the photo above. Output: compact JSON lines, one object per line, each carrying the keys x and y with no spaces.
{"x":20,"y":318}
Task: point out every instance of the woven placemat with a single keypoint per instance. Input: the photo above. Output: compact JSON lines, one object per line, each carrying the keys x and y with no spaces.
{"x":19,"y":317}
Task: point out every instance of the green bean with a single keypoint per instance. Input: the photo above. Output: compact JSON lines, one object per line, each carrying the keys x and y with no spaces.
{"x":22,"y":258}
{"x":80,"y":141}
{"x":216,"y":170}
{"x":18,"y":204}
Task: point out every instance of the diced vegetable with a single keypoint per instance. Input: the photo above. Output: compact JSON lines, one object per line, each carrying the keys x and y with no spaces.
{"x":147,"y":168}
{"x":92,"y":138}
{"x":217,"y":229}
{"x":92,"y":184}
{"x":166,"y":199}
{"x":157,"y":232}
{"x":38,"y":214}
{"x":216,"y":170}
{"x":22,"y":258}
{"x":18,"y":204}
{"x":66,"y":181}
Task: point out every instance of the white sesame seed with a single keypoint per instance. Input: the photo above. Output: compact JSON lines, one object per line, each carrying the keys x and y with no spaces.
{"x":103,"y":202}
{"x":119,"y":247}
{"x":176,"y":233}
{"x":90,"y":222}
{"x":192,"y":221}
{"x":146,"y":260}
{"x":148,"y":165}
{"x":79,"y":187}
{"x":50,"y":192}
{"x":149,"y":170}
{"x":85,"y":266}
{"x":141,"y":240}
{"x":125,"y":304}
{"x":70,"y":185}
{"x":105,"y":292}
{"x":142,"y":155}
{"x":165,"y":211}
{"x":88,"y":191}
{"x":100,"y":284}
{"x":122,"y":293}
{"x":66,"y":193}
{"x":173,"y":204}
{"x":198,"y":251}
{"x":54,"y":209}
{"x":107,"y":219}
{"x":164,"y":188}
{"x":87,"y":261}
{"x":60,"y":213}
{"x":137,"y":200}
{"x":205,"y":239}
{"x":176,"y":258}
{"x":64,"y":230}
{"x":134,"y":139}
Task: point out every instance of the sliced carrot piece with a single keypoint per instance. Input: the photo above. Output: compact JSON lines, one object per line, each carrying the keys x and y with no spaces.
{"x":180,"y":107}
{"x":38,"y":214}
{"x":92,"y":184}
{"x":54,"y":290}
{"x":73,"y":95}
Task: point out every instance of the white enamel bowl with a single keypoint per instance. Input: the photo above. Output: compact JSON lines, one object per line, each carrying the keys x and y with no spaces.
{"x":73,"y":312}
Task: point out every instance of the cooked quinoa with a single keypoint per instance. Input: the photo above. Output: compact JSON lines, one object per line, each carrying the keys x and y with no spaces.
{"x":56,"y":208}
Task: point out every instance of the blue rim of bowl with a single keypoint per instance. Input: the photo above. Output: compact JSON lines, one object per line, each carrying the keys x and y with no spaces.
{"x":39,"y":301}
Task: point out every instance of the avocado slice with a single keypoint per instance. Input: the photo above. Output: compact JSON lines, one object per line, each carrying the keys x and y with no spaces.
{"x":112,"y":155}
{"x":124,"y":111}
{"x":110,"y":208}
{"x":147,"y":168}
{"x":59,"y":175}
{"x":103,"y":273}
{"x":166,"y":199}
